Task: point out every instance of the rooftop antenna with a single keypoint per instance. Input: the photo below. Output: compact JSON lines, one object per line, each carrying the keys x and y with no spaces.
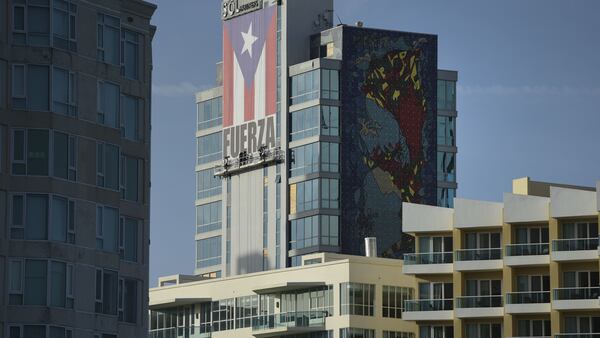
{"x":338,"y":17}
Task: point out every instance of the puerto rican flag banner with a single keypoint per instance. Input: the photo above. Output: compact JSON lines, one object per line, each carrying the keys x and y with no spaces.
{"x":249,"y":66}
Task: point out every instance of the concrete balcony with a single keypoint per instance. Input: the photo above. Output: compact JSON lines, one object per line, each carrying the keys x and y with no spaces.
{"x":428,"y":263}
{"x":575,"y":250}
{"x":428,"y":310}
{"x":530,"y":254}
{"x":293,"y":323}
{"x":527,"y":302}
{"x":581,"y":298}
{"x":487,"y":259}
{"x":479,"y":307}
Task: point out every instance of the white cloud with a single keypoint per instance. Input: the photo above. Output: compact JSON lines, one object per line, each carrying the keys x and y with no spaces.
{"x":177,"y":90}
{"x":540,"y":90}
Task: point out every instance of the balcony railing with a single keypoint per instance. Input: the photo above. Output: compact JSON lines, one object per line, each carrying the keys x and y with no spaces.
{"x":529,"y":249}
{"x":469,"y":302}
{"x":428,"y":305}
{"x":292,"y":319}
{"x":575,"y":244}
{"x":577,"y":293}
{"x":528,"y":297}
{"x":478,"y":254}
{"x":428,"y":258}
{"x":577,"y":335}
{"x":189,"y":332}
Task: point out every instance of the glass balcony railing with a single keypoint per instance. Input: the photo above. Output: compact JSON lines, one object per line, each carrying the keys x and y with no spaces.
{"x":577,"y":335}
{"x":577,"y":293}
{"x":428,"y":305}
{"x":292,"y":319}
{"x":428,"y":258}
{"x":528,"y":249}
{"x":174,"y":332}
{"x":478,"y":254}
{"x":528,"y":297}
{"x":575,"y":244}
{"x":469,"y":302}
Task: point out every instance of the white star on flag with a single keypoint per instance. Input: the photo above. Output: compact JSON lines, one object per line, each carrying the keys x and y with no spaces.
{"x":249,"y":41}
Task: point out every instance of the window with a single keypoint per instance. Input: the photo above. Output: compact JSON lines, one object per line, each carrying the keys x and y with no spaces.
{"x":357,"y":299}
{"x":107,"y":222}
{"x":483,"y":330}
{"x":446,"y":95}
{"x":130,"y":171}
{"x":330,"y":84}
{"x":446,"y":166}
{"x":394,"y":334}
{"x":31,"y":24}
{"x":131,"y":54}
{"x":246,"y":310}
{"x":438,"y":331}
{"x":39,"y":331}
{"x":582,"y":324}
{"x":534,"y":328}
{"x":208,"y":217}
{"x":107,"y":166}
{"x":208,"y":252}
{"x":31,"y":87}
{"x":108,"y":104}
{"x":30,"y":281}
{"x":307,"y":122}
{"x":315,"y":302}
{"x":446,"y":130}
{"x":131,"y":118}
{"x":64,"y":92}
{"x":393,"y":300}
{"x":330,"y":230}
{"x":128,"y":239}
{"x":31,"y":215}
{"x":304,"y":196}
{"x":330,"y":157}
{"x":305,"y":160}
{"x":36,"y":217}
{"x":482,"y":293}
{"x":330,"y":193}
{"x":210,"y":113}
{"x":356,"y":333}
{"x":310,"y":231}
{"x":207,"y":184}
{"x":108,"y":39}
{"x":65,"y":156}
{"x":581,"y":230}
{"x":31,"y":154}
{"x":64,"y":25}
{"x":330,"y":121}
{"x":305,"y":87}
{"x":106,"y":292}
{"x":210,"y":148}
{"x":3,"y":83}
{"x":445,"y":197}
{"x":128,"y":300}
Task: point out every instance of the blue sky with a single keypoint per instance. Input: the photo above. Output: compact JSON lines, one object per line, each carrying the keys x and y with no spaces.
{"x":528,"y":96}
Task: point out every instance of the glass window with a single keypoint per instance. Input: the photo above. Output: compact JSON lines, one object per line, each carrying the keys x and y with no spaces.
{"x":398,"y":334}
{"x":305,"y":87}
{"x":330,"y":193}
{"x":446,"y":130}
{"x":129,"y":239}
{"x":108,"y":104}
{"x":207,"y":184}
{"x":446,"y":166}
{"x":330,"y":84}
{"x":3,"y":83}
{"x":129,"y":303}
{"x":38,"y":23}
{"x":356,"y":333}
{"x":210,"y":148}
{"x":130,"y":178}
{"x":64,"y":27}
{"x":393,"y":300}
{"x":131,"y":54}
{"x":64,"y":156}
{"x":208,"y":217}
{"x":304,"y":123}
{"x":106,"y":292}
{"x":210,"y":113}
{"x":63,"y":92}
{"x":246,"y":309}
{"x":107,"y":164}
{"x":38,"y":87}
{"x":131,"y":118}
{"x":15,"y":282}
{"x":330,"y":230}
{"x":446,"y":95}
{"x":60,"y":219}
{"x":357,"y":299}
{"x":58,"y":284}
{"x":109,"y":39}
{"x":305,"y":160}
{"x":330,"y":157}
{"x":208,"y":252}
{"x":38,"y":152}
{"x":304,"y":233}
{"x":107,"y":222}
{"x":36,"y":273}
{"x":36,"y":227}
{"x":19,"y":97}
{"x":446,"y":197}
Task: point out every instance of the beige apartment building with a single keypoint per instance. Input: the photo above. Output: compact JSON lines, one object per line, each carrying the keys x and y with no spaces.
{"x":75,"y":90}
{"x":527,"y":267}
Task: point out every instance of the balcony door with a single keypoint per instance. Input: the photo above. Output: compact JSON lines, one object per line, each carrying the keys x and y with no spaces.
{"x":579,"y":230}
{"x":533,"y":283}
{"x":531,"y":235}
{"x":488,"y":292}
{"x":580,"y":279}
{"x":534,"y":328}
{"x":582,"y":325}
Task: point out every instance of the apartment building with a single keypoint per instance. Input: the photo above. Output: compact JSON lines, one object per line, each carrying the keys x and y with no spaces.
{"x":75,"y":83}
{"x":314,"y":135}
{"x":526,"y":267}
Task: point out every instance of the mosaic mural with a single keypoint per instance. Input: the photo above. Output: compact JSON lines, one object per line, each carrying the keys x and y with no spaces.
{"x":389,"y":134}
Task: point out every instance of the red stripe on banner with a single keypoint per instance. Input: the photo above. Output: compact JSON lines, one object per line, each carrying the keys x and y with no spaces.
{"x":227,"y":80}
{"x":249,"y":102}
{"x":271,"y":67}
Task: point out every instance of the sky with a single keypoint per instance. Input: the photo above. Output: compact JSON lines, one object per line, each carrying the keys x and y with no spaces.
{"x":528,"y":96}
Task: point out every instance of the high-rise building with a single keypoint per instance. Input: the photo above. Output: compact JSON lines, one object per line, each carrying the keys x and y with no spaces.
{"x":314,"y":137}
{"x":75,"y":84}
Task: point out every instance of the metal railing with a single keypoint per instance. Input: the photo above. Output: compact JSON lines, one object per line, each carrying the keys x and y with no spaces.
{"x":468,"y":302}
{"x":528,"y":297}
{"x":528,"y":249}
{"x":481,"y":254}
{"x":428,"y":305}
{"x":428,"y":258}
{"x":178,"y":332}
{"x":292,"y":319}
{"x":575,"y":244}
{"x":577,"y":293}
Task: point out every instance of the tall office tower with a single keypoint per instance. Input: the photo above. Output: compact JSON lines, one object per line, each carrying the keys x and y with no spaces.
{"x":314,"y":137}
{"x":75,"y":88}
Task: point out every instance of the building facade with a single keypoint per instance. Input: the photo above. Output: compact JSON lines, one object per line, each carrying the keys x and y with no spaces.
{"x":527,"y":267}
{"x":75,"y":89}
{"x":314,"y":137}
